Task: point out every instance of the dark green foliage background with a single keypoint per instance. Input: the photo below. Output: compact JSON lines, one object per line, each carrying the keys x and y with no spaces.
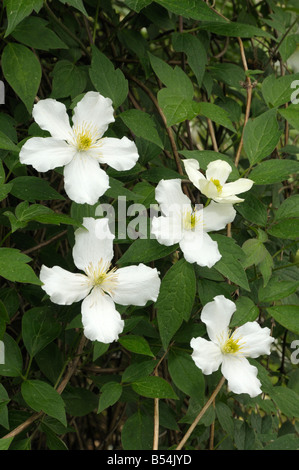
{"x":184,"y":77}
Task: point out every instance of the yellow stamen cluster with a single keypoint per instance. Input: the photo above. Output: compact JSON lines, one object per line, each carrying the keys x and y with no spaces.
{"x":191,"y":219}
{"x":102,"y":276}
{"x":85,"y":137}
{"x":231,"y":345}
{"x":217,"y":184}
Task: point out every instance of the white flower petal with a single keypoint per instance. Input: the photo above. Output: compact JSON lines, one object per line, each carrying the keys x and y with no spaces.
{"x":171,"y":198}
{"x":93,"y":110}
{"x":206,"y":355}
{"x":228,"y":200}
{"x":93,"y":244}
{"x":100,"y":319}
{"x":208,"y":188}
{"x":218,"y":170}
{"x":167,"y":230}
{"x":241,"y":375}
{"x":120,"y":154}
{"x":136,"y":285}
{"x":84,"y":180}
{"x":64,"y":287}
{"x":51,"y":116}
{"x":256,"y":340}
{"x":198,"y":247}
{"x":236,"y":187}
{"x":217,"y":216}
{"x":192,"y":171}
{"x":217,"y":315}
{"x":46,"y":153}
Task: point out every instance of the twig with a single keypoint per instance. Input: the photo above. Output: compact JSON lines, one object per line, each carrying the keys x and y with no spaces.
{"x":45,"y":243}
{"x":200,"y":415}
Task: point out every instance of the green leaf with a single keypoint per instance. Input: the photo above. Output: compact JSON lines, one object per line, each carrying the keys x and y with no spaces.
{"x":78,"y":4}
{"x":216,"y":114}
{"x":274,"y":171}
{"x":31,"y":188}
{"x":255,"y":252}
{"x":138,"y":432}
{"x":145,"y":250}
{"x":237,"y":30}
{"x":110,"y":394}
{"x":53,"y":441}
{"x":40,"y":396}
{"x":261,"y":135}
{"x":285,"y":228}
{"x":224,"y":416}
{"x":277,"y":290}
{"x":185,"y":374}
{"x":7,"y":144}
{"x":253,"y":209}
{"x":154,"y":387}
{"x":79,"y":401}
{"x":5,"y":443}
{"x":22,"y":71}
{"x":289,"y":208}
{"x":68,"y":80}
{"x":230,"y":264}
{"x":13,"y":364}
{"x":136,"y":344}
{"x":190,"y":9}
{"x":286,"y":400}
{"x":195,"y":51}
{"x":137,"y":5}
{"x":287,"y":316}
{"x":142,"y":125}
{"x":291,"y":114}
{"x":17,"y":11}
{"x":108,"y":81}
{"x":278,"y":91}
{"x":33,"y":32}
{"x":246,"y":311}
{"x":135,"y":372}
{"x":176,"y":298}
{"x":39,"y":328}
{"x":14,"y":268}
{"x":286,"y":442}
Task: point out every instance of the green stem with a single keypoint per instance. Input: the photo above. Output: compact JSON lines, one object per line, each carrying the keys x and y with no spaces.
{"x":5,"y":238}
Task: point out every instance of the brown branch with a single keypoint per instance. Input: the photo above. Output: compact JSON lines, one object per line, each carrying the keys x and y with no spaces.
{"x":45,"y":243}
{"x":200,"y":415}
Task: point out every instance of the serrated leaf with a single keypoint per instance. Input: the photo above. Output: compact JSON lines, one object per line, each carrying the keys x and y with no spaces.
{"x":261,"y":135}
{"x":31,"y":188}
{"x":40,"y":396}
{"x":110,"y":394}
{"x":17,"y":11}
{"x":39,"y":328}
{"x":287,"y":316}
{"x":108,"y":81}
{"x":154,"y":387}
{"x":22,"y":70}
{"x":185,"y":374}
{"x":274,"y":171}
{"x":14,"y":267}
{"x":175,"y":301}
{"x":142,"y":125}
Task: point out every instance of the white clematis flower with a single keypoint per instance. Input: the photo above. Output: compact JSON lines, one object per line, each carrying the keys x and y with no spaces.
{"x":80,"y":148}
{"x":229,"y":350}
{"x":180,"y":223}
{"x":214,"y":185}
{"x":99,"y":286}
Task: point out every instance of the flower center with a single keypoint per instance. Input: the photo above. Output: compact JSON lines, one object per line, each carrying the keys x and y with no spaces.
{"x":231,"y":345}
{"x":102,"y":276}
{"x":86,"y":137}
{"x":217,"y":184}
{"x":191,"y":219}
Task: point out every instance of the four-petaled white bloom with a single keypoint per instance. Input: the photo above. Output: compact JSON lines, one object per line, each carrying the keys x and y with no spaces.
{"x":80,"y":148}
{"x":100,"y":286}
{"x":214,"y":185}
{"x":180,"y":223}
{"x":229,"y":350}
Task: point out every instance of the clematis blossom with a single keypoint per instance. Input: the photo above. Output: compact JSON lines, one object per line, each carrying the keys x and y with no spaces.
{"x":80,"y":149}
{"x":230,"y":349}
{"x":214,"y":185}
{"x":99,"y":286}
{"x":181,"y":223}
